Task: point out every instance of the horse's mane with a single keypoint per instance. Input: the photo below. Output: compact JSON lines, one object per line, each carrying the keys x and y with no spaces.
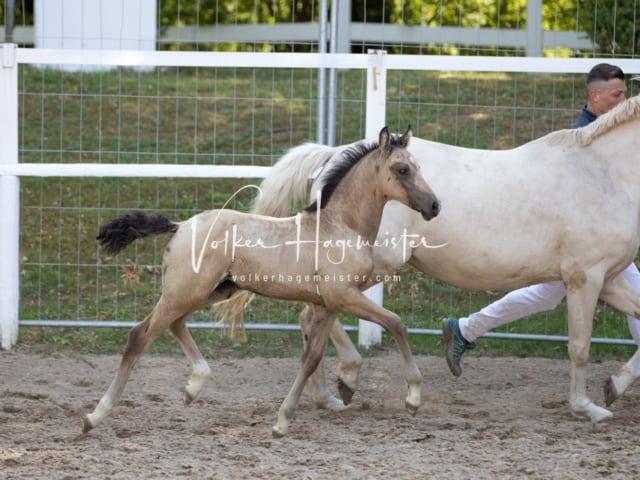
{"x":332,"y":177}
{"x":582,"y":137}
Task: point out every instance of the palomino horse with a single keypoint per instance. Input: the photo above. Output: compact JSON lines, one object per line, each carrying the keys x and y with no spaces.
{"x":322,"y":256}
{"x":565,"y":206}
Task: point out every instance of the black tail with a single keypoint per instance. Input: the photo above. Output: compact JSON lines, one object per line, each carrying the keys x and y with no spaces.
{"x":116,"y":234}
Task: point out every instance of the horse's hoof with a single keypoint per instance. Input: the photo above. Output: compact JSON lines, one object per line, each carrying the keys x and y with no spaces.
{"x":412,"y":409}
{"x":86,"y":425}
{"x":592,"y":412}
{"x":600,"y":414}
{"x":346,"y":392}
{"x":187,"y":398}
{"x":610,"y":392}
{"x":277,"y":433}
{"x":330,"y":403}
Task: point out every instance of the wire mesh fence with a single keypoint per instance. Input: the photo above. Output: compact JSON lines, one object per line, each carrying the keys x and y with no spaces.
{"x":212,"y":115}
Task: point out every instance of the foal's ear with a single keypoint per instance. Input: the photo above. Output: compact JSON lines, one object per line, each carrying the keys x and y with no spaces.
{"x":383,"y":139}
{"x":404,"y":139}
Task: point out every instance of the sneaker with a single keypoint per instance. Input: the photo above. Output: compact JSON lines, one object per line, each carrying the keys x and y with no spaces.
{"x":454,"y":344}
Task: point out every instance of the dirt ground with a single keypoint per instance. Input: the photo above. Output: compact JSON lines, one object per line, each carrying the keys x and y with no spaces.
{"x":504,"y":418}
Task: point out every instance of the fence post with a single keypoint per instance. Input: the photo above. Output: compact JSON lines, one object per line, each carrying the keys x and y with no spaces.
{"x":534,"y":28}
{"x":369,"y":333}
{"x":9,"y":199}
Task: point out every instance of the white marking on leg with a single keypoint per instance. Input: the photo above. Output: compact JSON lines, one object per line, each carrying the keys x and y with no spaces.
{"x":199,"y":374}
{"x":102,"y":411}
{"x":627,"y":374}
{"x":580,"y":404}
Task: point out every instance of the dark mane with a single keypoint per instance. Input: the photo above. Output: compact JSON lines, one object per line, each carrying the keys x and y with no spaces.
{"x":334,"y":175}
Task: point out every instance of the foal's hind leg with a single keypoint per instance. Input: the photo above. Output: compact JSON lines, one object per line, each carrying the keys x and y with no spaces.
{"x":350,"y":362}
{"x":318,"y":335}
{"x":199,"y":367}
{"x":321,"y":397}
{"x":140,"y":337}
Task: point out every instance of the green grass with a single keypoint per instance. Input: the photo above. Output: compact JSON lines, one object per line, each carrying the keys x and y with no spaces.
{"x":239,"y":116}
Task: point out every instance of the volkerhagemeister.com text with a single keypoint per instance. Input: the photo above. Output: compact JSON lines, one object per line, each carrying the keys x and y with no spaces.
{"x":313,"y":278}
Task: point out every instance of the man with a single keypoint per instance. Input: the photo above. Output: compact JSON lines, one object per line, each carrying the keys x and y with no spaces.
{"x":605,"y":90}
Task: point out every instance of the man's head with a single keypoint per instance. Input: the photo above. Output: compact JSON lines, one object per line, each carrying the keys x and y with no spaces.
{"x":605,"y":88}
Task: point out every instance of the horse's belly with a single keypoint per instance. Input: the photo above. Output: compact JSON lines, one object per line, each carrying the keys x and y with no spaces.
{"x":297,"y":287}
{"x":476,"y":267}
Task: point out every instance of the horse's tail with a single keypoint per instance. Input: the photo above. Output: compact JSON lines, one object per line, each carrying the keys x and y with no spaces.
{"x":285,"y":186}
{"x":116,"y":234}
{"x":287,"y":182}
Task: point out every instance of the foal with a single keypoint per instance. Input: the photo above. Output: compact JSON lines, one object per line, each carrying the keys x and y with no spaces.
{"x":322,"y":256}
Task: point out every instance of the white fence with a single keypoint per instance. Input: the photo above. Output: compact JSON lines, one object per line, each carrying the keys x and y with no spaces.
{"x":376,"y":64}
{"x":533,"y":40}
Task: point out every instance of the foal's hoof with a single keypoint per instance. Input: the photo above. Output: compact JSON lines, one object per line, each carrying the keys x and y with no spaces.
{"x":329,"y":402}
{"x":610,"y":392}
{"x":277,"y":433}
{"x":86,"y":425}
{"x":346,"y":392}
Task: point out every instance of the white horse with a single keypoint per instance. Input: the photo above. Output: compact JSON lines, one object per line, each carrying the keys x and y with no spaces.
{"x":565,"y":206}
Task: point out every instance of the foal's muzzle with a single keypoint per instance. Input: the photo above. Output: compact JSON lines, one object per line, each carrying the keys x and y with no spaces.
{"x":432,"y":208}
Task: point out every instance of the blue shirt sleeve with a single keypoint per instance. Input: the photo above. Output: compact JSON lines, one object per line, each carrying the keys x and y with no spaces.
{"x":585,"y":118}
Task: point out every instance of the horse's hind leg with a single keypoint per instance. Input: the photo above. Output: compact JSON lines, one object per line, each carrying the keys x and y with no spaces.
{"x":140,"y":337}
{"x":315,"y":343}
{"x":350,"y":362}
{"x":619,"y":293}
{"x":200,"y":369}
{"x":618,"y":383}
{"x":321,"y":397}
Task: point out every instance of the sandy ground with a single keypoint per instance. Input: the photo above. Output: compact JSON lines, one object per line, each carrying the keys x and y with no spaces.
{"x":504,"y":418}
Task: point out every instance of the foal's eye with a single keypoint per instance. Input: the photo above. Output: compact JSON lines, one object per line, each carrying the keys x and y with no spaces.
{"x":402,"y":170}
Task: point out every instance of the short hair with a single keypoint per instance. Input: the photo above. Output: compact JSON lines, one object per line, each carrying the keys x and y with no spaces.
{"x":604,"y":72}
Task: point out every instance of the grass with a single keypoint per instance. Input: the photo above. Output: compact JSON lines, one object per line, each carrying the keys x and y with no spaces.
{"x":239,"y":116}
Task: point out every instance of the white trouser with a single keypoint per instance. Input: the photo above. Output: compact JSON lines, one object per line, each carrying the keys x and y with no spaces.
{"x":534,"y":299}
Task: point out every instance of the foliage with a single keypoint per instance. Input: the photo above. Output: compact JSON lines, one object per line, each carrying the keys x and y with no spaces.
{"x":175,"y":12}
{"x":611,"y":25}
{"x":23,"y":12}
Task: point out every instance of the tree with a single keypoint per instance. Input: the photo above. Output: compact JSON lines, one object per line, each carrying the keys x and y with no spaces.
{"x":611,"y":25}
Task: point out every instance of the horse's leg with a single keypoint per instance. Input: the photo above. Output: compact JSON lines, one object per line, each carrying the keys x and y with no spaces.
{"x":200,"y":369}
{"x":350,"y":362}
{"x":321,"y":397}
{"x":359,"y":305}
{"x":618,"y":383}
{"x":582,"y":296}
{"x":140,"y":337}
{"x":349,"y":372}
{"x":321,"y":323}
{"x":618,"y":293}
